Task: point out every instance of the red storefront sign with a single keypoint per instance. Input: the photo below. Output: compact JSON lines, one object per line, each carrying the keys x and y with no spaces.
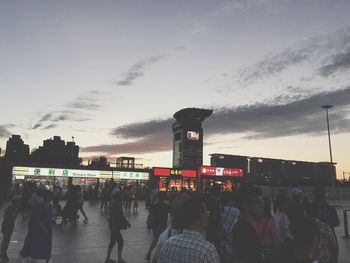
{"x":220,"y":171}
{"x":189,"y":173}
{"x":174,"y":172}
{"x":161,"y":171}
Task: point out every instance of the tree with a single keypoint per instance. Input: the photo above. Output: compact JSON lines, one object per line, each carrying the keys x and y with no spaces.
{"x":99,"y":162}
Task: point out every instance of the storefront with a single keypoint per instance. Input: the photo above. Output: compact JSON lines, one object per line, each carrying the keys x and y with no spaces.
{"x":137,"y":180}
{"x":59,"y":176}
{"x":168,"y":179}
{"x":228,"y":178}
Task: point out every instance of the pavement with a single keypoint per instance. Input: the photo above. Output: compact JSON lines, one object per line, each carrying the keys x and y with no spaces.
{"x":88,"y":242}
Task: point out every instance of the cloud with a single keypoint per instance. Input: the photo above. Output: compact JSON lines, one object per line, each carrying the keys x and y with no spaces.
{"x":199,"y":29}
{"x":51,"y":120}
{"x":4,"y":133}
{"x":158,"y":143}
{"x":51,"y":126}
{"x":46,"y":117}
{"x":137,"y":70}
{"x":297,"y":117}
{"x":340,"y":62}
{"x":258,"y":121}
{"x":228,"y":7}
{"x":85,"y":103}
{"x":314,"y":52}
{"x":36,"y":126}
{"x":272,"y":64}
{"x":143,"y":129}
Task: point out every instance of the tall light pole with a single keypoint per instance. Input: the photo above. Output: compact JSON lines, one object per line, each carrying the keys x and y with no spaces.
{"x":326,"y":107}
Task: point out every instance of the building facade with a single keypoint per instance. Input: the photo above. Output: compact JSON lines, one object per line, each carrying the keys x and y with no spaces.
{"x":188,"y":137}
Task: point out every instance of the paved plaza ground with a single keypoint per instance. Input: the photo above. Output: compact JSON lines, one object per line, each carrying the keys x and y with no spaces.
{"x":88,"y":242}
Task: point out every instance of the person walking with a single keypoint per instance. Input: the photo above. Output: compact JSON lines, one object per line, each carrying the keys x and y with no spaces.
{"x":38,"y":242}
{"x":117,"y":221}
{"x":80,"y":202}
{"x":105,"y":195}
{"x":7,"y":227}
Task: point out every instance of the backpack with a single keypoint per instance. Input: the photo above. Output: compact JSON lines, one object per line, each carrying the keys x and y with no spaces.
{"x":226,"y":251}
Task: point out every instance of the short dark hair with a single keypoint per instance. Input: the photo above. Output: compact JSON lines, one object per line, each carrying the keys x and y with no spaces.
{"x":246,"y":193}
{"x":46,"y":194}
{"x":189,"y":212}
{"x":313,"y":210}
{"x":162,"y":196}
{"x":319,"y":193}
{"x":303,"y":230}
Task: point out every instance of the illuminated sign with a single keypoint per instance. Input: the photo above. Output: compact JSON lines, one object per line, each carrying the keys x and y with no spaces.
{"x":130,"y":175}
{"x":193,"y":135}
{"x":174,"y":172}
{"x":220,"y":171}
{"x":189,"y":173}
{"x":161,"y":171}
{"x":40,"y":171}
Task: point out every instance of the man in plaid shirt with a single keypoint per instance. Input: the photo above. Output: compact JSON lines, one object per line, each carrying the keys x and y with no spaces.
{"x":190,"y":246}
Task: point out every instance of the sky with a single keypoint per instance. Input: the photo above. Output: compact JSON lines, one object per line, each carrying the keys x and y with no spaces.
{"x":112,"y":73}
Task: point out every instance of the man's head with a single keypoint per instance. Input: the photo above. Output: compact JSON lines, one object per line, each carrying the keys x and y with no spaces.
{"x":250,"y":201}
{"x":319,"y":194}
{"x":47,"y":196}
{"x":162,"y":196}
{"x":296,"y":194}
{"x":192,"y":214}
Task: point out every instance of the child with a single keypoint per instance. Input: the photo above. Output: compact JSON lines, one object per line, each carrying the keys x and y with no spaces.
{"x":7,"y":227}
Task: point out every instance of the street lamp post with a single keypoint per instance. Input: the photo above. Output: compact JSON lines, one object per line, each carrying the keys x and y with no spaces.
{"x":326,"y":107}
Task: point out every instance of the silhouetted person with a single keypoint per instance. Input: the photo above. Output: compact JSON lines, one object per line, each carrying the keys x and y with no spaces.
{"x":327,"y":246}
{"x":80,"y":201}
{"x":245,"y":240}
{"x":117,"y":221}
{"x":105,"y":195}
{"x":212,"y":203}
{"x":327,"y":212}
{"x":159,"y":219}
{"x":38,"y":242}
{"x":303,"y":246}
{"x":7,"y":227}
{"x":190,"y":246}
{"x":296,"y":207}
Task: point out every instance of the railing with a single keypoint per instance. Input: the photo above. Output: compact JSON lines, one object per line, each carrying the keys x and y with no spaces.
{"x":346,"y":228}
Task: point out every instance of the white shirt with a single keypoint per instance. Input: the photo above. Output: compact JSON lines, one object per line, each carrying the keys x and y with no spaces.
{"x":282,"y":225}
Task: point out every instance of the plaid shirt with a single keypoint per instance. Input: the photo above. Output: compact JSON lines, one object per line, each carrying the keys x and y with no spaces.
{"x":188,"y":247}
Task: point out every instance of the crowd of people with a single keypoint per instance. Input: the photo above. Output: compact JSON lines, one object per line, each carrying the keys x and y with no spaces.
{"x":242,"y":226}
{"x":239,"y":226}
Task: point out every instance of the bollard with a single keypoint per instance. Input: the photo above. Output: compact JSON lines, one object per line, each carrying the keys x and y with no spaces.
{"x":346,"y":229}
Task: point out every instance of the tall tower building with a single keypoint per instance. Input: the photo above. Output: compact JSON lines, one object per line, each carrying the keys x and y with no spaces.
{"x":188,"y":137}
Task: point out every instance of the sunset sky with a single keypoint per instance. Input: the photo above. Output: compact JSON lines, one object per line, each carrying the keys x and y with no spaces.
{"x":112,"y":74}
